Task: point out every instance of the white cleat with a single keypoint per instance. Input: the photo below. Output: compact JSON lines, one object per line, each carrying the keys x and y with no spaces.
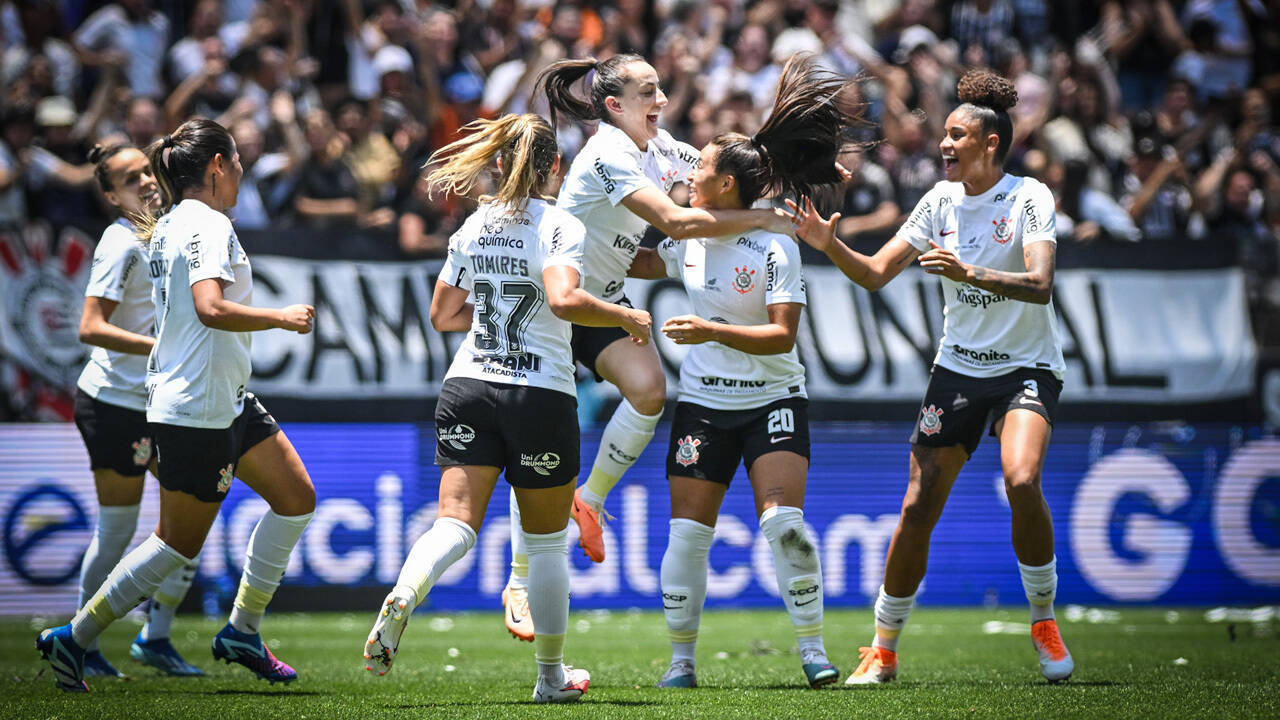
{"x":1055,"y":662}
{"x":576,"y":681}
{"x":384,"y":639}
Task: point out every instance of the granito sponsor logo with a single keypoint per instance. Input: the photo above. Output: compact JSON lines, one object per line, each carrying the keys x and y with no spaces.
{"x":609,"y":184}
{"x":711,"y":382}
{"x":980,"y":357}
{"x":976,"y":297}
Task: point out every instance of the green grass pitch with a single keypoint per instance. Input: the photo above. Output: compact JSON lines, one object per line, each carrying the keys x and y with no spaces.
{"x":1130,"y":663}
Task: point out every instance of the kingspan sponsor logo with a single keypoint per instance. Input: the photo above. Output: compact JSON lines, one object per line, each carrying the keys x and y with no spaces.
{"x":980,"y":357}
{"x":541,"y":463}
{"x":456,"y":436}
{"x":976,"y":297}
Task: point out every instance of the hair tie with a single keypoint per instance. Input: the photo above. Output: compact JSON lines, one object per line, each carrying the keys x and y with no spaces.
{"x":764,"y":151}
{"x":167,"y":142}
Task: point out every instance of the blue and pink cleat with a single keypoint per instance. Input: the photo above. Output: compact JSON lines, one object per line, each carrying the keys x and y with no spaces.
{"x":65,"y":657}
{"x":232,"y":645}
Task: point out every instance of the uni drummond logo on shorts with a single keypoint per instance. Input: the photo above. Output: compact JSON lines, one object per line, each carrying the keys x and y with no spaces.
{"x":542,"y":463}
{"x":457,"y":436}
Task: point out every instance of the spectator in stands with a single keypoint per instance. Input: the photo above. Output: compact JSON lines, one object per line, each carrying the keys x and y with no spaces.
{"x":978,"y":26}
{"x":1084,"y":214}
{"x":326,"y":192}
{"x":16,"y":132}
{"x":373,"y":162}
{"x":750,"y":71}
{"x":1140,"y":38}
{"x":914,"y":162}
{"x":267,"y":178}
{"x":1156,"y":193}
{"x":59,"y":179}
{"x":187,"y":56}
{"x":41,"y":41}
{"x":142,"y":121}
{"x":131,"y":37}
{"x":869,"y":211}
{"x":209,"y":92}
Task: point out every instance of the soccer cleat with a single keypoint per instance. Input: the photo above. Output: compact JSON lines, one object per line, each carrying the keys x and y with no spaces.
{"x":65,"y":657}
{"x":231,"y":645}
{"x":878,"y":665}
{"x":590,"y":520}
{"x":384,"y":639}
{"x":1055,"y":662}
{"x":515,"y":603}
{"x":95,"y":665}
{"x":818,"y":670}
{"x":576,"y":681}
{"x":680,"y":675}
{"x":161,"y":655}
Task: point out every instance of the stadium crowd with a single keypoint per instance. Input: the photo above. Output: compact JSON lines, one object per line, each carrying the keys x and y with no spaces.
{"x":1151,"y":120}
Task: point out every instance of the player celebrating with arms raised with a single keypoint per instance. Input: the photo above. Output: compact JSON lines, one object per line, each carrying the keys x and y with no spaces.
{"x":208,"y":429}
{"x":508,"y":401}
{"x":990,"y":235}
{"x":742,"y":396}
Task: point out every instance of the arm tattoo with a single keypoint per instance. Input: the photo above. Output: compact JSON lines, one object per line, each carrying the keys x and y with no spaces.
{"x":1033,"y":286}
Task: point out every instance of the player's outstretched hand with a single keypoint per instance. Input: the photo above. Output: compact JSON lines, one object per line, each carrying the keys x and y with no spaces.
{"x":298,"y":318}
{"x":640,"y":324}
{"x":689,"y":330}
{"x":941,"y":261}
{"x":809,"y":225}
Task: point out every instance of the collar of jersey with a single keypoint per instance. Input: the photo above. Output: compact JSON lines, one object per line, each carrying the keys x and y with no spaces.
{"x":1004,"y":184}
{"x":615,"y":135}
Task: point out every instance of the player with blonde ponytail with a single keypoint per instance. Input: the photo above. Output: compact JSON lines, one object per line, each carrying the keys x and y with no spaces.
{"x":508,"y":402}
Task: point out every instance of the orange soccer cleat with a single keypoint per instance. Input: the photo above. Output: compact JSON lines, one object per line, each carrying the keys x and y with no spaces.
{"x":590,"y":521}
{"x":879,"y":665}
{"x":515,"y":602}
{"x":1055,"y":662}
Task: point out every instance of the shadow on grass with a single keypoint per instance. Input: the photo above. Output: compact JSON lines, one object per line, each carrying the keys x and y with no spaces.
{"x":269,"y":693}
{"x":943,"y":684}
{"x":520,"y":703}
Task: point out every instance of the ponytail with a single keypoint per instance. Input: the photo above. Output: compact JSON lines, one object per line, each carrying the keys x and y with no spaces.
{"x":796,"y":148}
{"x":557,"y":81}
{"x":179,"y":160}
{"x":526,"y":144}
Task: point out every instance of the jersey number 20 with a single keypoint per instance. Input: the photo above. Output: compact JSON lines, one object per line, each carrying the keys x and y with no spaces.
{"x":782,"y":420}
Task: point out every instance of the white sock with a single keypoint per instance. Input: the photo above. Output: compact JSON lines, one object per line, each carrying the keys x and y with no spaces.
{"x":549,"y":600}
{"x":799,"y":571}
{"x":448,"y":540}
{"x":265,"y":561}
{"x":1041,"y":586}
{"x":891,"y":616}
{"x":519,"y":576}
{"x":165,"y":602}
{"x":115,"y":528}
{"x":133,"y":580}
{"x":624,"y":438}
{"x":684,"y":583}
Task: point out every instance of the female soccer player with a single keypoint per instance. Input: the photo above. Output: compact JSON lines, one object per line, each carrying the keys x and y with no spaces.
{"x":617,"y":186}
{"x":207,"y":428}
{"x":742,"y":396}
{"x":111,"y":400}
{"x":990,"y":235}
{"x":508,"y":402}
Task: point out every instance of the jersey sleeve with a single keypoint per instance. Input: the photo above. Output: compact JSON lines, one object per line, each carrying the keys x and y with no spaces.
{"x":686,"y":159}
{"x":209,"y":253}
{"x":669,"y":252}
{"x":114,"y":261}
{"x":919,"y":228}
{"x":563,"y":241}
{"x":454,"y":272}
{"x":784,"y":280}
{"x":617,"y":174}
{"x":1038,"y":216}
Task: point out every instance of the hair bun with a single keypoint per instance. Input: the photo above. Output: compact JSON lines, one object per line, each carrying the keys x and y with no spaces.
{"x":985,"y":88}
{"x":95,"y":153}
{"x":167,"y":142}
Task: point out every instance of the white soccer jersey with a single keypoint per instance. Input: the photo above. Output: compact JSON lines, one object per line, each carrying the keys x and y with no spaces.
{"x":608,"y":169}
{"x":119,"y":274}
{"x":499,"y":255}
{"x":985,"y":334}
{"x":733,"y":279}
{"x":197,"y":374}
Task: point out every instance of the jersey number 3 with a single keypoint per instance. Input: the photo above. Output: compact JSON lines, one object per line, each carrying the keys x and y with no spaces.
{"x":525,"y":299}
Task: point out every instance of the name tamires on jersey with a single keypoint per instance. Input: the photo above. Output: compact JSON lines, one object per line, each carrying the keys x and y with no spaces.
{"x":986,"y":334}
{"x":608,"y":169}
{"x":733,"y":279}
{"x":499,"y":255}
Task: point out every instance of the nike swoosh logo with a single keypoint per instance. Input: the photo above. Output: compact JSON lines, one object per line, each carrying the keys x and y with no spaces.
{"x":776,"y":440}
{"x":806,"y":602}
{"x":945,"y":233}
{"x":1024,"y":400}
{"x":514,"y":619}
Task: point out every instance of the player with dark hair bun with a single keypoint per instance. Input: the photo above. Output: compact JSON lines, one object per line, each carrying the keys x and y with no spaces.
{"x":111,"y":401}
{"x":990,"y":236}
